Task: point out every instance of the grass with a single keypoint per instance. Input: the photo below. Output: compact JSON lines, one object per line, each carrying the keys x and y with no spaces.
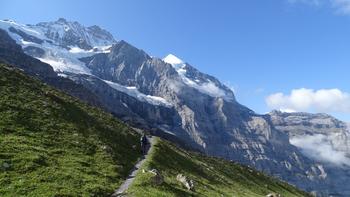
{"x":54,"y":145}
{"x":212,"y":176}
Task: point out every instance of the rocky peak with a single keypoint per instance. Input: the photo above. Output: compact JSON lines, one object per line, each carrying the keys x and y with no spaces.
{"x":62,"y":20}
{"x":71,"y":33}
{"x":319,"y":121}
{"x":120,"y":65}
{"x":126,"y":50}
{"x":100,"y":33}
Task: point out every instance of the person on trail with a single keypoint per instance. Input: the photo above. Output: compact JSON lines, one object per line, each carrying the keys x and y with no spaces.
{"x":144,"y":143}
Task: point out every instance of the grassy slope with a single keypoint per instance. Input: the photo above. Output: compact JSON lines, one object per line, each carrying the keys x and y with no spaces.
{"x":213,"y":177}
{"x":52,"y":144}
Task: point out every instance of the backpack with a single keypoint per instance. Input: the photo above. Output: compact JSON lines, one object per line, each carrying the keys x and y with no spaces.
{"x":144,"y":140}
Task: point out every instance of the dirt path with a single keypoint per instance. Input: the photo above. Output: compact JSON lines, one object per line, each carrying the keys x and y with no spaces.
{"x":121,"y":190}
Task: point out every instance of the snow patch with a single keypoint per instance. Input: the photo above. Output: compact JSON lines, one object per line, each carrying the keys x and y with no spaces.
{"x":133,"y":91}
{"x":63,"y":60}
{"x":172,"y":59}
{"x":61,"y":65}
{"x":77,"y":50}
{"x":63,"y":75}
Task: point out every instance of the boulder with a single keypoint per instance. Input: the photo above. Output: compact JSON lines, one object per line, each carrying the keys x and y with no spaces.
{"x":6,"y":166}
{"x":157,"y":179}
{"x":188,"y":183}
{"x":273,"y":195}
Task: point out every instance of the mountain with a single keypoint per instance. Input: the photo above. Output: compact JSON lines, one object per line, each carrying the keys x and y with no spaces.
{"x":323,"y":139}
{"x":68,"y":34}
{"x":12,"y":53}
{"x":53,"y":144}
{"x":170,"y":97}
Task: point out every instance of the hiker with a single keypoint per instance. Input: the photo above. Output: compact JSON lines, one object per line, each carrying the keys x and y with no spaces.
{"x":144,"y":143}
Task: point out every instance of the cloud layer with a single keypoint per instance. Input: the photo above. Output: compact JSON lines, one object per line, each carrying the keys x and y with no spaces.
{"x":309,"y":100}
{"x":320,"y":148}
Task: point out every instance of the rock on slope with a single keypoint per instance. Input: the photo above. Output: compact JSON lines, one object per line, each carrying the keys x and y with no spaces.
{"x":173,"y":96}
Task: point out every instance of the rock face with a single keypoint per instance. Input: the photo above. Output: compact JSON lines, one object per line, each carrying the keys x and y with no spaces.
{"x":323,"y":139}
{"x":174,"y":97}
{"x":126,"y":107}
{"x":319,"y":126}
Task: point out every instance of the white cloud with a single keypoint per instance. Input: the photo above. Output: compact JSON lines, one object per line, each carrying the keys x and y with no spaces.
{"x":208,"y":88}
{"x":310,"y":2}
{"x":230,"y":86}
{"x":320,"y":148}
{"x":340,"y":6}
{"x":309,"y":100}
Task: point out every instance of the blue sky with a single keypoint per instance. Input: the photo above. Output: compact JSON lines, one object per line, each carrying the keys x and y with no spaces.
{"x":263,"y":49}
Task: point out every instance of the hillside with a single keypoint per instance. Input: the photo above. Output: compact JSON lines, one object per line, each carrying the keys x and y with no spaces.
{"x":211,"y":176}
{"x":54,"y":145}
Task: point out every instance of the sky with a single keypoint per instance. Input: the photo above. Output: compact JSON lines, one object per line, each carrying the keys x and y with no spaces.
{"x":292,"y":55}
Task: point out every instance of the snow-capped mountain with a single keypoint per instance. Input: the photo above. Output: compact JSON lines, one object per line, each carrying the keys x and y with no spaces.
{"x":63,"y":43}
{"x":169,"y":95}
{"x":60,"y":43}
{"x":67,"y":34}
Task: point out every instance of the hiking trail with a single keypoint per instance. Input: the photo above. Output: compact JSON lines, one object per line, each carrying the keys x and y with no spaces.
{"x":121,"y":190}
